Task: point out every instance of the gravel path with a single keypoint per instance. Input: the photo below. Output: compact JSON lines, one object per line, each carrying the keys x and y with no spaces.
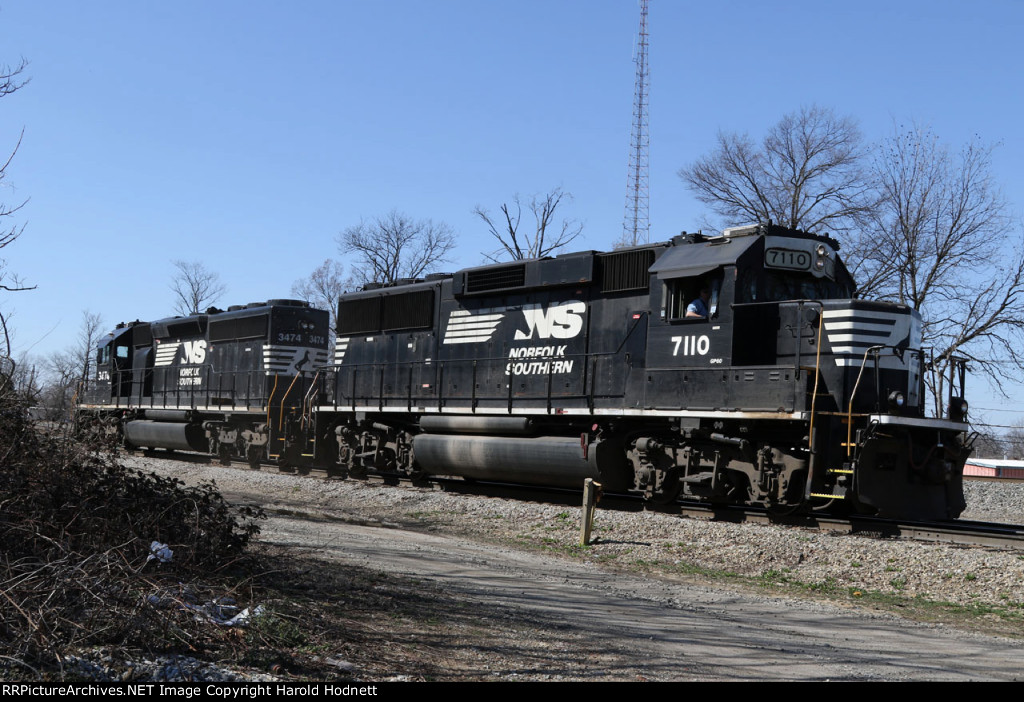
{"x":962,"y":575}
{"x":670,"y":590}
{"x":631,"y":627}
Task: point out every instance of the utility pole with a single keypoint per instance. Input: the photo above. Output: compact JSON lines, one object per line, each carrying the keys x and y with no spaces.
{"x":636,"y":227}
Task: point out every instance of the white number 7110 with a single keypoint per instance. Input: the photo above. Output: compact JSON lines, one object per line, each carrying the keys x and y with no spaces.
{"x":691,"y":345}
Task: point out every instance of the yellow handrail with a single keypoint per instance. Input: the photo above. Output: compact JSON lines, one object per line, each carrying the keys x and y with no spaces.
{"x":280,"y":423}
{"x":270,"y":399}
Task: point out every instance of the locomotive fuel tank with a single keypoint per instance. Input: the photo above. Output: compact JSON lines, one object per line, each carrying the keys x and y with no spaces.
{"x":545,"y":460}
{"x":169,"y":435}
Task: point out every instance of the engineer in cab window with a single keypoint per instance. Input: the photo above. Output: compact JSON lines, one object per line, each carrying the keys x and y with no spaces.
{"x":699,"y":307}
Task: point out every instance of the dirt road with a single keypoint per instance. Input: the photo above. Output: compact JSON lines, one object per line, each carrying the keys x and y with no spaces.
{"x":578,"y":620}
{"x":659,"y":630}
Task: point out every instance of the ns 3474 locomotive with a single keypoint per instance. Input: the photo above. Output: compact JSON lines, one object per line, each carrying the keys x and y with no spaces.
{"x":780,"y":389}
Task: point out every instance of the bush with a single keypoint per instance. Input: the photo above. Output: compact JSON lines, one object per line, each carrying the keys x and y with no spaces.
{"x":75,"y":532}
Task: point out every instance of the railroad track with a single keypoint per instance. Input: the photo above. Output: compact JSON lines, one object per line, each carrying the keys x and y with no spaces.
{"x":966,"y":533}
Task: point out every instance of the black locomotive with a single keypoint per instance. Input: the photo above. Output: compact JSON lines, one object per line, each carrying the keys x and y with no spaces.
{"x":776,"y":388}
{"x":223,"y":382}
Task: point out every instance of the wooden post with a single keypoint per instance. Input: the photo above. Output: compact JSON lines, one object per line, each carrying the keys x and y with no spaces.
{"x":591,"y":496}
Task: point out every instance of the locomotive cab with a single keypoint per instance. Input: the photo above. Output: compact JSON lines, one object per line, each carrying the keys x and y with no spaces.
{"x":789,"y":391}
{"x":112,"y":383}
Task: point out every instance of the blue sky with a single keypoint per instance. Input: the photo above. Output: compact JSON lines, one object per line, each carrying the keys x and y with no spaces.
{"x":248,"y":134}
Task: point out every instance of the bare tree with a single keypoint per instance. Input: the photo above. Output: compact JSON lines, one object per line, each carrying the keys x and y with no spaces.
{"x":195,"y":287}
{"x":88,"y":336}
{"x":808,"y":173}
{"x":926,"y":228}
{"x":68,"y":372}
{"x":322,"y":288}
{"x":21,"y":377}
{"x":395,"y":246}
{"x":942,"y":241}
{"x":1013,"y":442}
{"x":62,"y":370}
{"x":989,"y":445}
{"x":11,"y":80}
{"x":546,"y":236}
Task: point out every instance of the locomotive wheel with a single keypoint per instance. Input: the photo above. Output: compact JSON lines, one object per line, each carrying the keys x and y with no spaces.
{"x":782,"y":511}
{"x":419,"y":478}
{"x":669,"y":490}
{"x":254,"y":455}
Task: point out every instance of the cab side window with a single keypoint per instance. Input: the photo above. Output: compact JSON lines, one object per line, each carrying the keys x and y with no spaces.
{"x":699,"y":294}
{"x":678,"y":293}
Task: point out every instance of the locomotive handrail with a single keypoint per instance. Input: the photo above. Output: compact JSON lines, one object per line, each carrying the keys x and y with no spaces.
{"x":381,"y":396}
{"x":270,"y":398}
{"x":510,"y":377}
{"x":215,"y":390}
{"x":280,"y":419}
{"x":812,"y":462}
{"x":307,"y":404}
{"x":875,"y":353}
{"x":440,"y":387}
{"x":474,"y":400}
{"x":593,"y":374}
{"x":629,"y":332}
{"x":853,"y":394}
{"x":352,"y":391}
{"x":409,"y":386}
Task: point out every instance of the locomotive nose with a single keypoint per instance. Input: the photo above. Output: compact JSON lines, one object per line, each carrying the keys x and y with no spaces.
{"x":875,"y":350}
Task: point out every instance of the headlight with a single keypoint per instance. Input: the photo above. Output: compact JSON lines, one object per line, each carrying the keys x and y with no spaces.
{"x":821,"y":252}
{"x":896,"y":400}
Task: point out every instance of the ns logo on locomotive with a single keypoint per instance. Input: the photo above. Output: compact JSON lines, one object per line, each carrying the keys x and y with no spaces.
{"x":736,"y":369}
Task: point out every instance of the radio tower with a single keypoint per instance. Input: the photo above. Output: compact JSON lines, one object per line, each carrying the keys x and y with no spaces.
{"x":636,"y":228}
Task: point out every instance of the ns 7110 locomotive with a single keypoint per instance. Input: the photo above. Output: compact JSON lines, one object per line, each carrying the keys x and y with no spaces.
{"x":779,"y":388}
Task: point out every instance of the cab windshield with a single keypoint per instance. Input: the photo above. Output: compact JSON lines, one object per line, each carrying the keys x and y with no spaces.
{"x":772,"y":286}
